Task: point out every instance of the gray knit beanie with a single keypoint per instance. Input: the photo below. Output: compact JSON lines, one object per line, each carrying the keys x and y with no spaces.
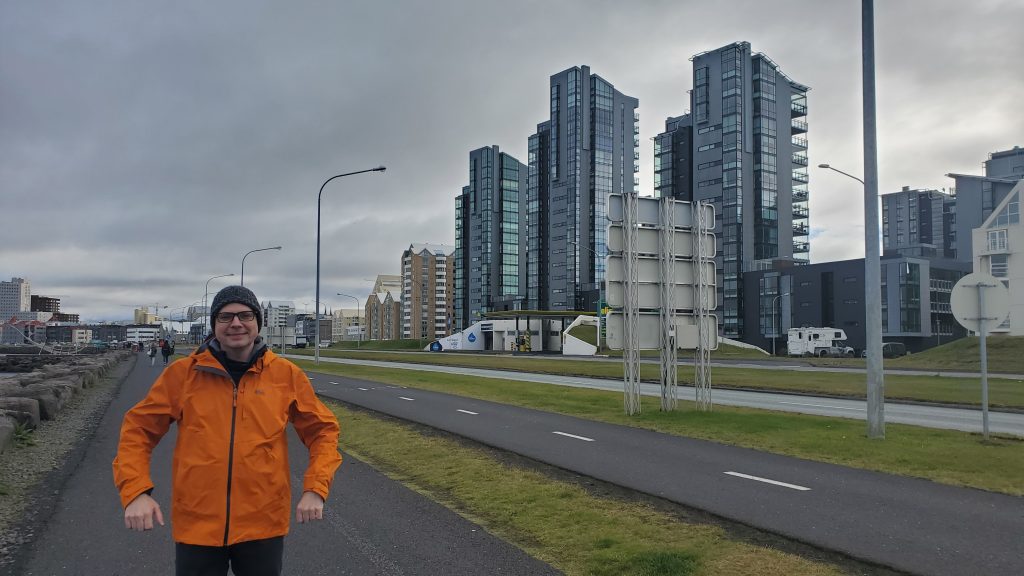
{"x":239,"y":295}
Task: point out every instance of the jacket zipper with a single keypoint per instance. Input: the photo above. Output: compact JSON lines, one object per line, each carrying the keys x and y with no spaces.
{"x":231,"y":458}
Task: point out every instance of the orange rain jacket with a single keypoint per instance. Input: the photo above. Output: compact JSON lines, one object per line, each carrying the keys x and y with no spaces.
{"x":230,"y":469}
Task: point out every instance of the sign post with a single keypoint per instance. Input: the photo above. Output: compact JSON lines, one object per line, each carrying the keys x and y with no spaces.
{"x":979,"y":301}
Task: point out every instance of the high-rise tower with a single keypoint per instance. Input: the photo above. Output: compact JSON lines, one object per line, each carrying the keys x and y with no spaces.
{"x":750,"y":161}
{"x":585,"y":151}
{"x":490,"y":237}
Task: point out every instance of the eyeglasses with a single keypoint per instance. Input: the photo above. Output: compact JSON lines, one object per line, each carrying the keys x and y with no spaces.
{"x":226,"y":317}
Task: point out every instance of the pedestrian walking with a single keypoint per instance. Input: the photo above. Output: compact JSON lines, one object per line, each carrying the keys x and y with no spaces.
{"x":230,"y":476}
{"x":166,"y":350}
{"x":152,"y":354}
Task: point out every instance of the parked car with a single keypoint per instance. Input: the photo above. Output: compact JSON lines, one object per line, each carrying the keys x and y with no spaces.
{"x":890,"y":350}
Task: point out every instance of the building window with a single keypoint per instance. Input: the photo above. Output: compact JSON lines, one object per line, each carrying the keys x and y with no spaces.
{"x":997,"y":240}
{"x":998,"y":265}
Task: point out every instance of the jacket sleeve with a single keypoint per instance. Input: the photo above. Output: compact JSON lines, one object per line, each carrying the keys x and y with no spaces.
{"x":143,"y":427}
{"x":318,"y":428}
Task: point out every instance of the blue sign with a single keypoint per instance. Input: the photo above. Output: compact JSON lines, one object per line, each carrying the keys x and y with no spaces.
{"x":435,"y":346}
{"x":471,"y":337}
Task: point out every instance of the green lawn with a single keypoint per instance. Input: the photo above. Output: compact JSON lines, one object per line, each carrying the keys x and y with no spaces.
{"x":1003,"y":392}
{"x":556,"y":521}
{"x":1005,"y":354}
{"x":945,"y":456}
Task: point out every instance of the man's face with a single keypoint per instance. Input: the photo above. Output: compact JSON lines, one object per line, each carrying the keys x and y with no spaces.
{"x":236,"y":337}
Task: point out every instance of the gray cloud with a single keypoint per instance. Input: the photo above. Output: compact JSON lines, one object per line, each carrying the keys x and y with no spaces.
{"x":145,"y":147}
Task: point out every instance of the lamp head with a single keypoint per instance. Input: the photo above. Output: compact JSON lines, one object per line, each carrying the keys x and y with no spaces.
{"x":823,"y":166}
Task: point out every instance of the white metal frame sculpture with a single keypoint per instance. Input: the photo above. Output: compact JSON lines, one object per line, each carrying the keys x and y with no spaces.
{"x":669,"y":358}
{"x":703,"y":286}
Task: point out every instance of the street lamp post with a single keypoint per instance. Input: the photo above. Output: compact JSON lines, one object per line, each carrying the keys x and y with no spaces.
{"x":250,"y":252}
{"x":360,"y":331}
{"x":207,"y":293}
{"x":316,"y":344}
{"x":775,"y":330}
{"x":872,"y":308}
{"x":872,"y":258}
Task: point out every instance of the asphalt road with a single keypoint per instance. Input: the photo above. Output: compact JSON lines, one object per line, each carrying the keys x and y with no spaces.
{"x":965,"y":419}
{"x":913,"y":525}
{"x":372,"y":525}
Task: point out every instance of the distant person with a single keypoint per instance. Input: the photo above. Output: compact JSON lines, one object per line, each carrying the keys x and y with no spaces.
{"x":152,"y":353}
{"x":166,"y":351}
{"x":232,"y":400}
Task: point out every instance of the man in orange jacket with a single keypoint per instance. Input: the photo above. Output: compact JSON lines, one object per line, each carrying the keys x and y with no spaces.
{"x":232,"y":400}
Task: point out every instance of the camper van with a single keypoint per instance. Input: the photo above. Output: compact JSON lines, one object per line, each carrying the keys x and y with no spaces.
{"x":821,"y":342}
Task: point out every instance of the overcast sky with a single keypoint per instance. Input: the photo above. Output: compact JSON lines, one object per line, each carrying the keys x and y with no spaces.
{"x":146,"y":146}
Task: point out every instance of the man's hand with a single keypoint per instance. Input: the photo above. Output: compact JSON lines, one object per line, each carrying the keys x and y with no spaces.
{"x":311,"y":507}
{"x":140,"y":512}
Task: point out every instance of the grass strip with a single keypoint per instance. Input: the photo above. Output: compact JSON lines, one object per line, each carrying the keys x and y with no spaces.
{"x":946,"y":456}
{"x":556,"y":521}
{"x":1003,"y":393}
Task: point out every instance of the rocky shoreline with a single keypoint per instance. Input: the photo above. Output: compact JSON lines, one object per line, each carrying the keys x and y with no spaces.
{"x":34,"y":469}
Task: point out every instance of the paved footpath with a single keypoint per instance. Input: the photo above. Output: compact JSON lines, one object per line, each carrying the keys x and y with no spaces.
{"x":372,"y":525}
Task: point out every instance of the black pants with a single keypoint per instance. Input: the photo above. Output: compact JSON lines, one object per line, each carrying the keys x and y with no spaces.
{"x":253,"y":558}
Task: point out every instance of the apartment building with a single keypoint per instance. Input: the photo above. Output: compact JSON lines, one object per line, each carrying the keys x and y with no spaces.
{"x":999,"y":250}
{"x":586,"y":150}
{"x":428,"y":278}
{"x":749,"y":158}
{"x":490,"y":237}
{"x":978,"y":196}
{"x":919,"y":223}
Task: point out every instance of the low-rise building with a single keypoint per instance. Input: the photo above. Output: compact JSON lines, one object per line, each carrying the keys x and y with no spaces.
{"x":999,"y":250}
{"x":915,"y":301}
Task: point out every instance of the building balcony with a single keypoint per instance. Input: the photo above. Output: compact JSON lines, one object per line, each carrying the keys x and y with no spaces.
{"x":798,"y":126}
{"x":801,"y":247}
{"x":800,"y":211}
{"x":797,"y":109}
{"x":636,"y":129}
{"x":1000,"y":246}
{"x":800,"y":143}
{"x":800,"y":177}
{"x":800,"y":159}
{"x":801,"y":230}
{"x":799,"y":196}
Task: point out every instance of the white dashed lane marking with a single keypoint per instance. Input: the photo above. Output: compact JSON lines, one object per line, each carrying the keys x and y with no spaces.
{"x":467,"y":412}
{"x":364,"y":389}
{"x":824,"y":406}
{"x":768,"y":481}
{"x":404,"y":398}
{"x":335,"y":383}
{"x":573,"y":436}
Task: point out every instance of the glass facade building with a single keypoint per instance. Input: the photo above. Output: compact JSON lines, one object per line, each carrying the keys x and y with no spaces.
{"x":673,"y":159}
{"x":749,"y":149}
{"x":584,"y":152}
{"x":490,"y":237}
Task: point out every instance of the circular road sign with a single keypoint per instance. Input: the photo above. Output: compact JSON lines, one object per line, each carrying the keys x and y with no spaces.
{"x":966,"y":304}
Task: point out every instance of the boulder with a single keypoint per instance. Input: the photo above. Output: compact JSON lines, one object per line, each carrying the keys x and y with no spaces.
{"x":19,"y":418}
{"x":6,"y":432}
{"x":51,"y":399}
{"x":27,"y":406}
